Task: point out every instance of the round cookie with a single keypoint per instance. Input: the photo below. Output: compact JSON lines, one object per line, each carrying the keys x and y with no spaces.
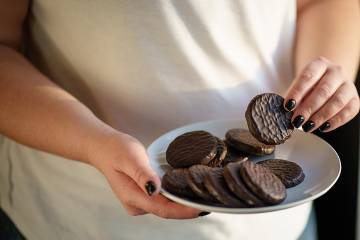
{"x":233,"y":155}
{"x":175,"y":182}
{"x":221,"y":153}
{"x":267,"y":119}
{"x":238,"y":187}
{"x":195,"y":180}
{"x":262,"y":182}
{"x":216,"y":185}
{"x":197,"y":147}
{"x":243,"y":140}
{"x":221,"y":150}
{"x":290,"y":173}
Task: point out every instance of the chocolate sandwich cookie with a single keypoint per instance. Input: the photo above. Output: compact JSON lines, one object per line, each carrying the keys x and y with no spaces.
{"x":290,"y":173}
{"x":197,"y":147}
{"x":267,"y":119}
{"x":195,"y":180}
{"x":243,"y":140}
{"x":233,"y":155}
{"x":238,"y":187}
{"x":217,"y":187}
{"x":175,"y":182}
{"x":221,"y":152}
{"x":262,"y":182}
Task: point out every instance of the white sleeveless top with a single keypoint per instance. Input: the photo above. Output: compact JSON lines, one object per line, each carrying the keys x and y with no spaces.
{"x":146,"y":67}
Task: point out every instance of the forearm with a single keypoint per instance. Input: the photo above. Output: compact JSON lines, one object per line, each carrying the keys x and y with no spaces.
{"x":328,"y":28}
{"x":36,"y":112}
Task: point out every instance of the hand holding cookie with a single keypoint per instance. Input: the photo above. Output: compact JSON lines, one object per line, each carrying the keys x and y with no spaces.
{"x":321,"y":97}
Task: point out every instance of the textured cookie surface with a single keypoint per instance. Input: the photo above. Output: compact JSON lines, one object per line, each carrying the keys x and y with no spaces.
{"x":221,"y":153}
{"x":195,"y":180}
{"x":290,"y":173}
{"x":216,"y":185}
{"x":175,"y":182}
{"x":243,"y":140}
{"x":237,"y":186}
{"x":267,"y":119}
{"x":262,"y":182}
{"x":234,"y":155}
{"x":197,"y":147}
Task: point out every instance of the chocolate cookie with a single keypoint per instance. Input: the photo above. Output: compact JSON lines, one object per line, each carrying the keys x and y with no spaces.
{"x":267,"y":119}
{"x":290,"y":173}
{"x":238,"y":187}
{"x":197,"y":147}
{"x":216,"y":185}
{"x":243,"y":140}
{"x":220,"y":154}
{"x":262,"y":182}
{"x":175,"y":182}
{"x":195,"y":180}
{"x":233,"y":155}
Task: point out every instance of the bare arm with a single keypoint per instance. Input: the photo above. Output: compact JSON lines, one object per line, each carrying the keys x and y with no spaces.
{"x":323,"y":95}
{"x":12,"y":15}
{"x":328,"y":28}
{"x":38,"y":113}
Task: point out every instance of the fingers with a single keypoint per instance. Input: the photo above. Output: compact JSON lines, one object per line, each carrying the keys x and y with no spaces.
{"x":321,"y":96}
{"x":305,"y":81}
{"x":165,"y":208}
{"x":345,"y":115}
{"x":135,"y":164}
{"x":335,"y":104}
{"x":132,"y":211}
{"x":132,"y":197}
{"x":135,"y":183}
{"x":318,"y":96}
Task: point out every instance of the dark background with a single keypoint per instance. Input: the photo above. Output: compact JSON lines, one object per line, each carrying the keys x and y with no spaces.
{"x":337,"y":210}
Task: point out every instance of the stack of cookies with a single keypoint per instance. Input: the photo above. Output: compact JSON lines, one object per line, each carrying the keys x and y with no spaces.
{"x":219,"y":172}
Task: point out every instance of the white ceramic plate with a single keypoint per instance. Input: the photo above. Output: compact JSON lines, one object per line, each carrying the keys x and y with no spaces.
{"x":318,"y":159}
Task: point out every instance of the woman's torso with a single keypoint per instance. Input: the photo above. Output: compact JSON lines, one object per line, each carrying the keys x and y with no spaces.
{"x":146,"y":67}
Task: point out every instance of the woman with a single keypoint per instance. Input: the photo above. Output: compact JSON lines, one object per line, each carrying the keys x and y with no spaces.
{"x":114,"y":75}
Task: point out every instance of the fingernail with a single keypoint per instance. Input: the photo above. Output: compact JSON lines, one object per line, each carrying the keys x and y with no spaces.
{"x":308,"y":126}
{"x":298,"y":121}
{"x":150,"y":188}
{"x":203,"y":214}
{"x":290,"y":105}
{"x":324,"y":126}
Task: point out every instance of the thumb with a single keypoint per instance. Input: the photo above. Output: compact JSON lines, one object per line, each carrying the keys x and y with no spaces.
{"x":137,"y":166}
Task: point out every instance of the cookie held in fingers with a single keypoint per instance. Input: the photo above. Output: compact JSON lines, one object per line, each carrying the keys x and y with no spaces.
{"x":174,"y":181}
{"x":262,"y":182}
{"x":290,"y":173}
{"x":267,"y":119}
{"x":243,"y":140}
{"x":195,"y":180}
{"x":197,"y":147}
{"x":216,"y":185}
{"x":238,"y":187}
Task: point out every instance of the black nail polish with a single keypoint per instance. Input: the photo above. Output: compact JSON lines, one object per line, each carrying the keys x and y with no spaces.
{"x":290,"y":105}
{"x":324,"y":126}
{"x":298,"y":121}
{"x":308,"y":126}
{"x":150,"y":188}
{"x":203,"y":214}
